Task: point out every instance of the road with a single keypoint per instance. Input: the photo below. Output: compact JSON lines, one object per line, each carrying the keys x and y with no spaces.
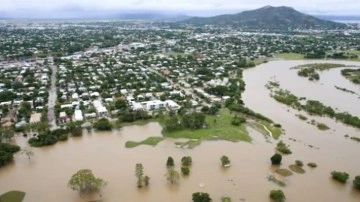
{"x":52,"y":99}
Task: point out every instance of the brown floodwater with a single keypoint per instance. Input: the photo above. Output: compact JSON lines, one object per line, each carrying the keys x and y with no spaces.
{"x":44,"y":178}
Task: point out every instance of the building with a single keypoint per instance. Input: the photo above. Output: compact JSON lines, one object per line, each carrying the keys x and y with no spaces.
{"x":78,"y":115}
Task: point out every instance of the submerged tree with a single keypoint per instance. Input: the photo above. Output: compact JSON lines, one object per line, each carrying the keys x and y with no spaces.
{"x":201,"y":197}
{"x":139,"y":173}
{"x":172,"y":176}
{"x":225,"y":161}
{"x":28,"y":152}
{"x":84,"y":181}
{"x":170,"y":162}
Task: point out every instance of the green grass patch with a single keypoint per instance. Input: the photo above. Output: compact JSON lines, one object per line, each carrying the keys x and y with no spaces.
{"x":152,"y":141}
{"x":297,"y":169}
{"x":357,"y":139}
{"x":290,"y":56}
{"x":218,"y":128}
{"x":12,"y":196}
{"x":322,"y":126}
{"x":283,"y":172}
{"x":188,"y":144}
{"x":302,"y":117}
{"x":225,"y":199}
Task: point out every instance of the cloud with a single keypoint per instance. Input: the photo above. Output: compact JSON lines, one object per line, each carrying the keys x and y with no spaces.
{"x":199,"y":7}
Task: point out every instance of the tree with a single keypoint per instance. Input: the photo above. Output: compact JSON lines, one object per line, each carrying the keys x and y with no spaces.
{"x":186,"y":161}
{"x":277,"y":195}
{"x":139,"y":173}
{"x":28,"y":152}
{"x":194,"y":120}
{"x":103,"y":124}
{"x":201,"y":197}
{"x":276,"y":159}
{"x":340,"y":176}
{"x":356,"y":182}
{"x":83,"y":181}
{"x":225,"y":161}
{"x":185,"y":170}
{"x":172,"y":176}
{"x":6,"y":134}
{"x":172,"y":124}
{"x":170,"y":162}
{"x":146,"y":180}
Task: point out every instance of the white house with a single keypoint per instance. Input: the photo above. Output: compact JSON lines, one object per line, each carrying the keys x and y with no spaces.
{"x":78,"y":115}
{"x":154,"y":105}
{"x":171,"y":105}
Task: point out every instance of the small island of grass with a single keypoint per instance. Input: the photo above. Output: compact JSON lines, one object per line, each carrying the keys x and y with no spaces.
{"x":152,"y":141}
{"x":12,"y":196}
{"x":352,"y":74}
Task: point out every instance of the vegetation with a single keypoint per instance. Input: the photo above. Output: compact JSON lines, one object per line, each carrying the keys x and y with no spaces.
{"x":201,"y":197}
{"x":226,"y":199}
{"x":340,"y":176}
{"x":276,"y":159}
{"x":6,"y":153}
{"x":284,"y":172}
{"x":312,"y":165}
{"x":314,"y":107}
{"x":309,"y":73}
{"x":217,"y":127}
{"x":357,"y":139}
{"x":83,"y":181}
{"x":302,"y":117}
{"x":152,"y":141}
{"x":299,"y":163}
{"x":289,"y":56}
{"x":170,"y":162}
{"x":141,"y":179}
{"x":12,"y":196}
{"x":44,"y":139}
{"x":186,"y":161}
{"x":356,"y":182}
{"x":297,"y":169}
{"x":283,"y":148}
{"x":352,"y":74}
{"x":277,"y":195}
{"x":185,"y":170}
{"x":103,"y":125}
{"x":322,"y":126}
{"x":225,"y":161}
{"x":172,"y":176}
{"x":272,"y":178}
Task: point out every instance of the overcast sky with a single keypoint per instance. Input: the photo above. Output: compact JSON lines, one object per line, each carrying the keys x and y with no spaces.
{"x":33,"y":8}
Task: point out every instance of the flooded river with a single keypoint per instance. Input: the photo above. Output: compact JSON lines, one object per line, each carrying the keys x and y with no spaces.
{"x":44,"y":178}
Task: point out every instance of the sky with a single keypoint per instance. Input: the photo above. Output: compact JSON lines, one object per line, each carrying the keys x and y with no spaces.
{"x":73,"y":8}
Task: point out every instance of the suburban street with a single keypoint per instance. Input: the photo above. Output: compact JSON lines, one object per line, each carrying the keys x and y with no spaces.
{"x":52,"y":98}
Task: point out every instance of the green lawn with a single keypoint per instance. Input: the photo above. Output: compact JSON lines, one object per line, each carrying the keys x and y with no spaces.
{"x":221,"y":129}
{"x":259,"y":126}
{"x":289,"y":56}
{"x":12,"y":196}
{"x":152,"y":141}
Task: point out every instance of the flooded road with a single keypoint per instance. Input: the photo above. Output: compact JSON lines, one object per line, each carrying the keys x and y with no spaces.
{"x":45,"y":176}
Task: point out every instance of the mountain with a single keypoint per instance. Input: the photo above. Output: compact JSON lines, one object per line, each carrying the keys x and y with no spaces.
{"x":269,"y":18}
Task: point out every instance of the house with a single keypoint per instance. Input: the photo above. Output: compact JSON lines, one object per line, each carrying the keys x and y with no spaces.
{"x":154,"y":105}
{"x":100,"y":109}
{"x":78,"y":115}
{"x":62,"y":117}
{"x":171,"y":105}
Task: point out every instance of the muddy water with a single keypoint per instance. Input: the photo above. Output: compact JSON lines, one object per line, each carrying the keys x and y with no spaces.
{"x":333,"y":151}
{"x":45,"y":176}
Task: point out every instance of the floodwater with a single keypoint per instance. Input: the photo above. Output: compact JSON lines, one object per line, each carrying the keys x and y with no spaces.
{"x":45,"y":176}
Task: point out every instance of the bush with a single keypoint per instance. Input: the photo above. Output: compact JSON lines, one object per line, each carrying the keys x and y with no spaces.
{"x":225,"y":161}
{"x":356,"y":182}
{"x":103,"y":125}
{"x":201,"y":197}
{"x":6,"y":153}
{"x":185,"y":170}
{"x":42,"y":140}
{"x":277,"y":195}
{"x":186,"y":161}
{"x":63,"y":137}
{"x":276,"y":159}
{"x":283,"y":148}
{"x":340,"y":176}
{"x":299,"y":163}
{"x":312,"y":165}
{"x":170,"y":162}
{"x":236,"y":120}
